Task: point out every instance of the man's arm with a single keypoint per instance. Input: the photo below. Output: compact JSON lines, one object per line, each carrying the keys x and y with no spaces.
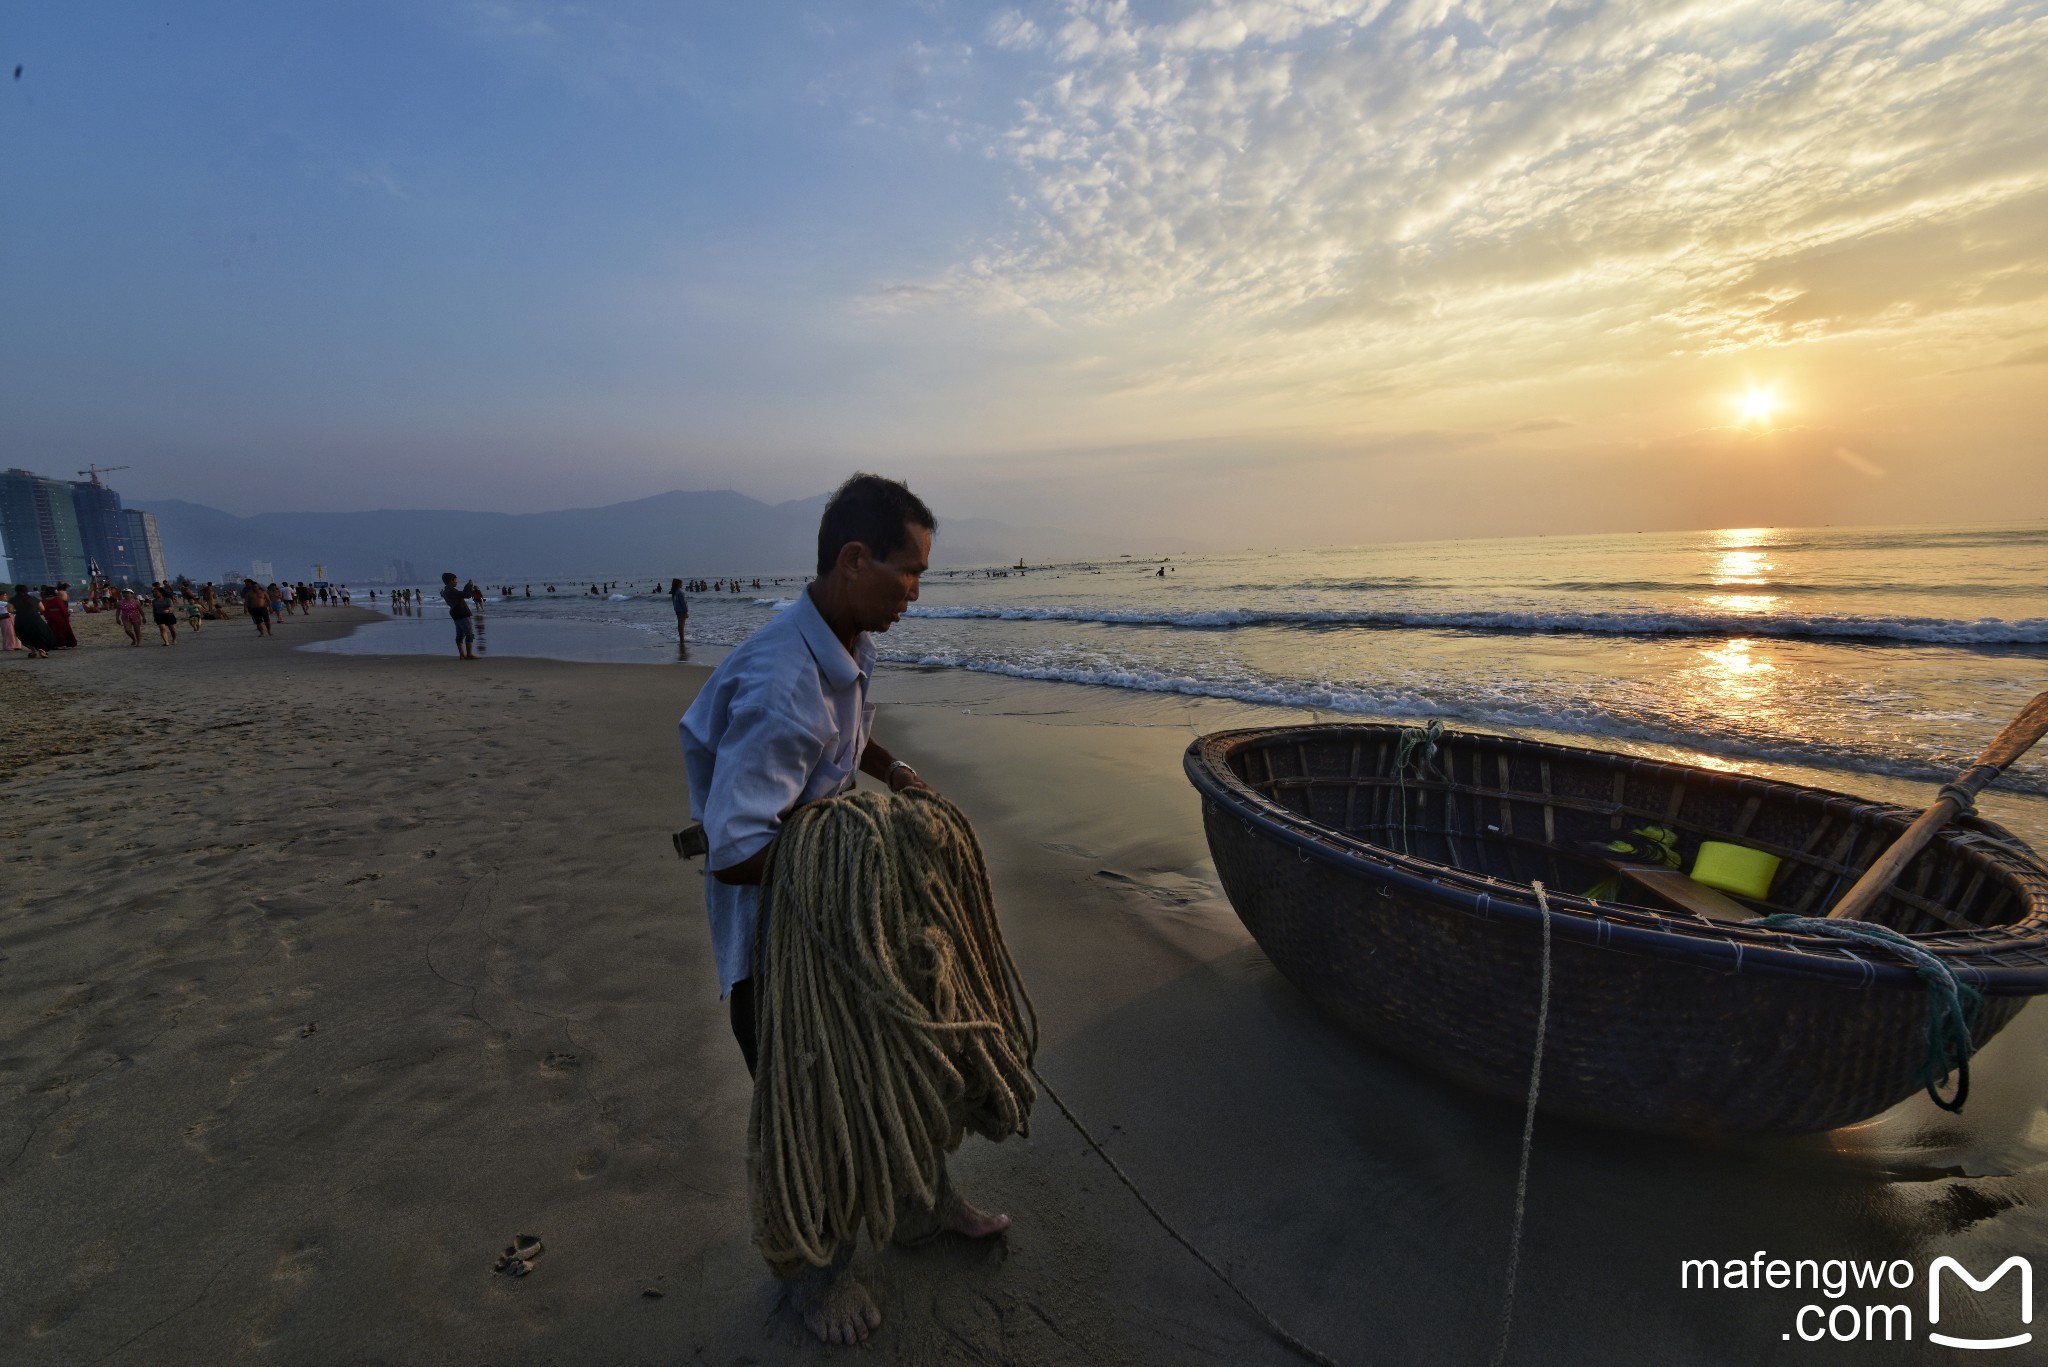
{"x":763,"y":759}
{"x":746,"y":873}
{"x":875,"y":762}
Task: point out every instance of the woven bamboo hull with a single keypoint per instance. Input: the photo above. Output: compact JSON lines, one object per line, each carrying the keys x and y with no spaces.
{"x":1458,"y":996}
{"x":1442,"y":967}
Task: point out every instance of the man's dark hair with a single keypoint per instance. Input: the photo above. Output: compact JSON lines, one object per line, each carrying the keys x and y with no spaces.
{"x":873,"y":511}
{"x":448,"y":578}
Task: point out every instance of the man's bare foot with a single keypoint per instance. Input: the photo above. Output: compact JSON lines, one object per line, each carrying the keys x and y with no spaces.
{"x":838,"y":1309}
{"x":968,"y":1219}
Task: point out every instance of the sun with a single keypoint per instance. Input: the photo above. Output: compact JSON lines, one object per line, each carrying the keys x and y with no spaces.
{"x":1757,"y":404}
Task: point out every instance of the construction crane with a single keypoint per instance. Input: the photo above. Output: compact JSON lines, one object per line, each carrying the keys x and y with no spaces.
{"x":93,"y":472}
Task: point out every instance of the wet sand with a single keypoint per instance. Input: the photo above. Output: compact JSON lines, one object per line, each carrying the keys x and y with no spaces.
{"x":326,"y":975}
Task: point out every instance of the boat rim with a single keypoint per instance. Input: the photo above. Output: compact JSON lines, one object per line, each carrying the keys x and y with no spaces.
{"x":1729,"y":948}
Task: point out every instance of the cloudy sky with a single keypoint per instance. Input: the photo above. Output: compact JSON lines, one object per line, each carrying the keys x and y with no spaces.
{"x":1248,"y":273}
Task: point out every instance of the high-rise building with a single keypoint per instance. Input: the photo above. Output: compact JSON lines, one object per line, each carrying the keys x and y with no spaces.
{"x":144,"y":545}
{"x":39,"y":526}
{"x":103,"y":527}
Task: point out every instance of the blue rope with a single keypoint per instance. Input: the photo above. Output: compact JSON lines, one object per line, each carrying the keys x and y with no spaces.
{"x":1951,"y":1004}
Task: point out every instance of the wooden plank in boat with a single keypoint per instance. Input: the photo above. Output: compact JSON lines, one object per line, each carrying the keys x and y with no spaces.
{"x":1681,"y":891}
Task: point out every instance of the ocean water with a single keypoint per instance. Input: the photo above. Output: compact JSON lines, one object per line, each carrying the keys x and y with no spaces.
{"x":1883,"y":651}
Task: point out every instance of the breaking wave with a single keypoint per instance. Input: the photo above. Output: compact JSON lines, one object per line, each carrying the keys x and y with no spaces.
{"x":1550,"y":715}
{"x":1979,"y":631}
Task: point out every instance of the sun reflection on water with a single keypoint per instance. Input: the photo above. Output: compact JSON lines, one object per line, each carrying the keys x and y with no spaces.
{"x":1751,"y":603}
{"x":1736,"y":678}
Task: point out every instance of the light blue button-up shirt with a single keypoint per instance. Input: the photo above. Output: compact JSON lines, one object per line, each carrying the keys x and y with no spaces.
{"x":783,"y":721}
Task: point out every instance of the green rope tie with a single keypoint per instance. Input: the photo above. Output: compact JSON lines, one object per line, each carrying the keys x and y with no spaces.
{"x":1418,"y":745}
{"x":1951,"y":1003}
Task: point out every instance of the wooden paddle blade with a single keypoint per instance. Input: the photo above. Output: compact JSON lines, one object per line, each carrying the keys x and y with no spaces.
{"x":2019,"y":735}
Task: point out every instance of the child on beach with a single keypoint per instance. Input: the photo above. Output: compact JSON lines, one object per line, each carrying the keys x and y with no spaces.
{"x":129,"y":610}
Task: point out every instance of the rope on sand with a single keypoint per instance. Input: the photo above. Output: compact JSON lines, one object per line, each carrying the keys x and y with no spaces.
{"x":895,"y":1022}
{"x":1507,"y":1307}
{"x":1273,"y":1325}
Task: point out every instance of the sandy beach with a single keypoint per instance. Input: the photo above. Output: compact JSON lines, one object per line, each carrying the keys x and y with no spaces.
{"x":322,"y":976}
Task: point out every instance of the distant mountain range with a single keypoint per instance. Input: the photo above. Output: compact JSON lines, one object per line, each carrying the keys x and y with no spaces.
{"x":711,"y":534}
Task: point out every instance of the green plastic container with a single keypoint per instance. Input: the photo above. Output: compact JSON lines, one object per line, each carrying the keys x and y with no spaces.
{"x":1735,"y":868}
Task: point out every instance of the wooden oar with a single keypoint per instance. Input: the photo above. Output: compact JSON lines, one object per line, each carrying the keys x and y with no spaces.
{"x":2015,"y":740}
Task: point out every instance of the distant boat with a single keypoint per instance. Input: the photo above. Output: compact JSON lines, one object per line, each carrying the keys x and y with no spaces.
{"x":1401,"y":902}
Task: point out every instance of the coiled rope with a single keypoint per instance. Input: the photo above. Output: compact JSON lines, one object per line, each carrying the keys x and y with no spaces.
{"x":894,"y":1021}
{"x":1951,"y":1003}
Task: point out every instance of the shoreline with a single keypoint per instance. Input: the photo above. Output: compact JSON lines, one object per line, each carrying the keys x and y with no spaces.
{"x":397,"y":963}
{"x":2025,"y":814}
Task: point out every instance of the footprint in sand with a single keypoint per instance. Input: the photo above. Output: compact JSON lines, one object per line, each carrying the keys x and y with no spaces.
{"x":560,"y":1063}
{"x":519,"y":1256}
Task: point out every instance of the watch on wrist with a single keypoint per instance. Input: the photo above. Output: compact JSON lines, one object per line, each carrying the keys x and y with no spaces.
{"x":889,"y":774}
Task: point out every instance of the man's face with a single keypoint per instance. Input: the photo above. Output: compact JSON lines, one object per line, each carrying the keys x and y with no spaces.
{"x":882,"y":589}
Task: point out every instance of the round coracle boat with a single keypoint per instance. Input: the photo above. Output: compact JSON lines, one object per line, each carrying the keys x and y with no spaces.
{"x":1389,"y":875}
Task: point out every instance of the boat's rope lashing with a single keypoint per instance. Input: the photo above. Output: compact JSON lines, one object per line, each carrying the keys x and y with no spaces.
{"x":1951,"y":1003}
{"x":894,"y":1020}
{"x":1418,"y":745}
{"x":1963,"y":788}
{"x":1507,"y":1306}
{"x":2011,"y":847}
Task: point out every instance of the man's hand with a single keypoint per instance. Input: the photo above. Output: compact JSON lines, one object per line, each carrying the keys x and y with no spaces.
{"x":904,"y":779}
{"x":878,"y":763}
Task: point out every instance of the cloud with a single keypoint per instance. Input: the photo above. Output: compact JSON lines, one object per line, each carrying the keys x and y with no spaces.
{"x":2035,"y":356}
{"x":1013,"y":32}
{"x":1433,"y":192}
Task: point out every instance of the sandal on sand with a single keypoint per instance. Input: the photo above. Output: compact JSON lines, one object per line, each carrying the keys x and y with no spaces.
{"x":519,"y":1255}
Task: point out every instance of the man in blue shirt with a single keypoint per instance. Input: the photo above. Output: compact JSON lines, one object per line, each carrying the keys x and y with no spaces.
{"x":681,"y":605}
{"x":784,"y":721}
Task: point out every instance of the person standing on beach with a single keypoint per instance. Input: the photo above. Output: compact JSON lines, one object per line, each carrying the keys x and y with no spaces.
{"x":256,"y":602}
{"x":682,"y":607}
{"x":165,"y":610}
{"x":458,"y":609}
{"x":29,"y":624}
{"x":57,"y":612}
{"x":128,"y":609}
{"x":785,"y":721}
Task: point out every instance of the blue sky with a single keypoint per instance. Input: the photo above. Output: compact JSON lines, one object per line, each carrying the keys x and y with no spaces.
{"x":1204,"y":264}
